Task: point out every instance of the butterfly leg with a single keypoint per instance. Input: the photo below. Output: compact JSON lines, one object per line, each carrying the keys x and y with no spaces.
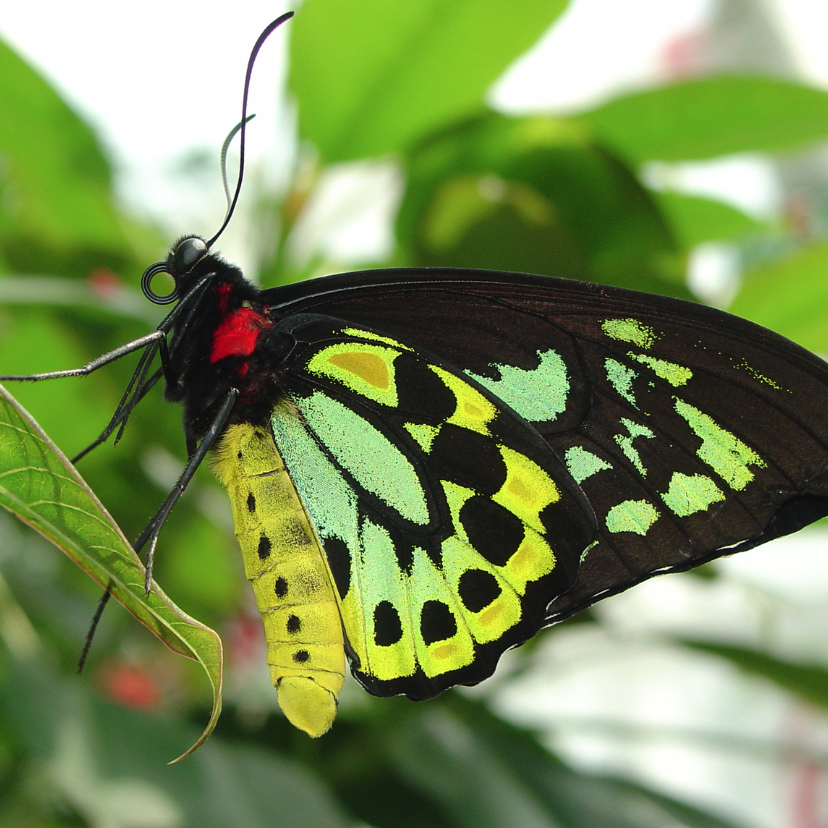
{"x":153,"y":528}
{"x":98,"y":362}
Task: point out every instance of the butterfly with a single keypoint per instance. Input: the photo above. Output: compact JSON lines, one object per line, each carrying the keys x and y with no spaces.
{"x":427,"y":466}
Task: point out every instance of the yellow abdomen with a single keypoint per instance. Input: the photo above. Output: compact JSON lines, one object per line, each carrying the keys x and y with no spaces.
{"x":286,"y":567}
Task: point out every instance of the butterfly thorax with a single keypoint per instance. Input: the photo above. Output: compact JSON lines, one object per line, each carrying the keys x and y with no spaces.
{"x":229,"y":343}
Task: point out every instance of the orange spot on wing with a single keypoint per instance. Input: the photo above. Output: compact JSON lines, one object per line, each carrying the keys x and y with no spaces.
{"x":491,"y":614}
{"x":444,"y":651}
{"x":368,"y":367}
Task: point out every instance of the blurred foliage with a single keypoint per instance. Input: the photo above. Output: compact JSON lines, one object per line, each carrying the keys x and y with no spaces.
{"x":407,"y":84}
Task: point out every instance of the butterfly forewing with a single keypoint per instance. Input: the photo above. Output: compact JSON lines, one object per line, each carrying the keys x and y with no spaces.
{"x":447,"y":522}
{"x":692,"y":433}
{"x":707,"y":442}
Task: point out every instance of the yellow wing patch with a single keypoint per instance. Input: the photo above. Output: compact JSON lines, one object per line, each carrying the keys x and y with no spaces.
{"x":528,"y":489}
{"x":473,"y":411}
{"x":364,"y":369}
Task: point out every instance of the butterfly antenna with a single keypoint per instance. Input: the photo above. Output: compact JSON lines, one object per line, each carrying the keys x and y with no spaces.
{"x":242,"y":126}
{"x":224,"y":150}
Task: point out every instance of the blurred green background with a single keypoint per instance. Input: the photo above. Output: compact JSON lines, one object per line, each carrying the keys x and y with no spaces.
{"x":402,"y":88}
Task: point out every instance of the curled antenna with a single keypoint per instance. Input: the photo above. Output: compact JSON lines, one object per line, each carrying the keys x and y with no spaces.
{"x":224,"y":149}
{"x":244,"y":119}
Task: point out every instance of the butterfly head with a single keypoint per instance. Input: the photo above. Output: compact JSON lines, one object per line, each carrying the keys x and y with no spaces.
{"x":181,"y":263}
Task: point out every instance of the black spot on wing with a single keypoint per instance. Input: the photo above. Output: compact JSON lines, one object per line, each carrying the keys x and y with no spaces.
{"x":251,"y":502}
{"x":280,"y":587}
{"x":387,"y":627}
{"x":492,"y":530}
{"x":468,"y":459}
{"x":421,"y":394}
{"x":437,"y":622}
{"x":477,"y":589}
{"x":294,"y":624}
{"x":301,"y":656}
{"x":339,"y":562}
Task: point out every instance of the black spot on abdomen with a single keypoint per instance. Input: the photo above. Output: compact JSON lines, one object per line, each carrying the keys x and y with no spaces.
{"x":264,"y":547}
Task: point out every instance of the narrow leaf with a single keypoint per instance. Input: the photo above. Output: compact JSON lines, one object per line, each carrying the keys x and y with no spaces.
{"x":41,"y":487}
{"x":809,"y":681}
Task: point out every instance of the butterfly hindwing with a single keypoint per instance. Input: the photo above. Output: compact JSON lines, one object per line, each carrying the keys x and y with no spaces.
{"x":447,"y":522}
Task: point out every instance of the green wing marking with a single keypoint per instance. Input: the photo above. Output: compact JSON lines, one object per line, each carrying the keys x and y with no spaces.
{"x":691,"y":446}
{"x":439,"y":510}
{"x":536,"y":395}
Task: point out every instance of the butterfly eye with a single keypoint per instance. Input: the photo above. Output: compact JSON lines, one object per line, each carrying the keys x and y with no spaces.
{"x":146,"y":285}
{"x":187,"y":252}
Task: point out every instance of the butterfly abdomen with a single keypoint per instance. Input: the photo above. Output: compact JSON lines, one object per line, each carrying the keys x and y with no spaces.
{"x":290,"y":579}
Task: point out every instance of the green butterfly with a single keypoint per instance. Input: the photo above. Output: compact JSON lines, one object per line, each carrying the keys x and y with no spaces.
{"x":426,"y":467}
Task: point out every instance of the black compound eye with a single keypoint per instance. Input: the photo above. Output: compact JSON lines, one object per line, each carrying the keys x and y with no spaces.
{"x":187,"y":252}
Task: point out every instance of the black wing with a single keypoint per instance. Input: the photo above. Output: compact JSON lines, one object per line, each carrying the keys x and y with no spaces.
{"x":693,"y":433}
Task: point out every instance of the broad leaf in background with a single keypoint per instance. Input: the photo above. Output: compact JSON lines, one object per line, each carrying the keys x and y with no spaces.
{"x":712,"y":116}
{"x":55,"y":179}
{"x":696,"y":220}
{"x":790,"y":296}
{"x":373,"y":77}
{"x":41,"y":487}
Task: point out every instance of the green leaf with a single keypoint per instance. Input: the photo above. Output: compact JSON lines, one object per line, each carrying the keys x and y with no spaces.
{"x":696,"y":220}
{"x":790,"y":296}
{"x":808,"y":681}
{"x":535,"y":195}
{"x":56,"y":180}
{"x":372,"y":77}
{"x":709,"y":117}
{"x":41,"y":487}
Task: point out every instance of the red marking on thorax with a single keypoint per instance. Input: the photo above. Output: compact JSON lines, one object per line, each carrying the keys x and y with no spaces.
{"x":237,"y":334}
